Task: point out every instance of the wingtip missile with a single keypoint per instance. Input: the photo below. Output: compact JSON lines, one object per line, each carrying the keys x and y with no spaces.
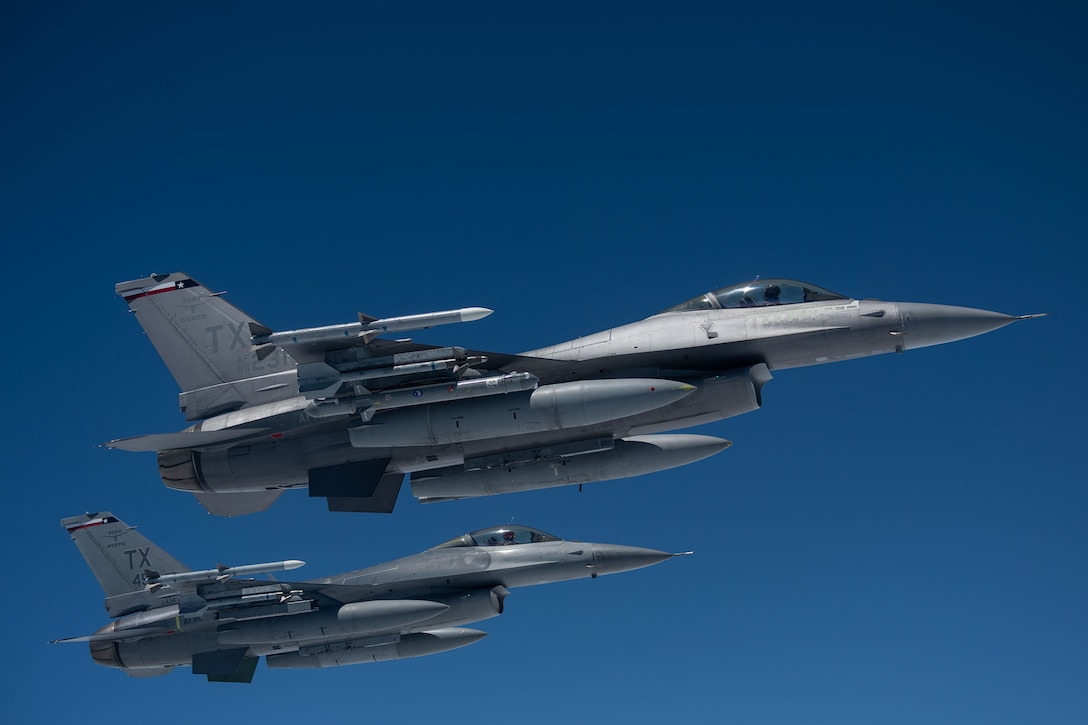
{"x":471,"y":314}
{"x":221,"y":572}
{"x":428,"y":319}
{"x":366,"y":328}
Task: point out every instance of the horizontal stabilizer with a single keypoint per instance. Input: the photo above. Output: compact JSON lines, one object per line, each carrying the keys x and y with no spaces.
{"x":185,"y":440}
{"x":115,"y":636}
{"x":143,"y":673}
{"x":237,"y":504}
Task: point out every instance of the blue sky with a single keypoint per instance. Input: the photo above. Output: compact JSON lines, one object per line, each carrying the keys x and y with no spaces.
{"x":897,"y":539}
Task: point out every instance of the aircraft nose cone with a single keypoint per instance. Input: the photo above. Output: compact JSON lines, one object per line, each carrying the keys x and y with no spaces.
{"x":613,"y":558}
{"x":926,"y":324}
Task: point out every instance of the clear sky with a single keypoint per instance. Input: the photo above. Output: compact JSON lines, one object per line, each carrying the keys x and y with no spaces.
{"x":892,"y":540}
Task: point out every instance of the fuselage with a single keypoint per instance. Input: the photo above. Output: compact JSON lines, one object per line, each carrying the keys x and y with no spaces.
{"x":456,"y":420}
{"x":712,"y":350}
{"x":689,"y":343}
{"x":463,"y":581}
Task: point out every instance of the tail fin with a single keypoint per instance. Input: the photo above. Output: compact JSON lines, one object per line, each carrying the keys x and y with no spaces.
{"x":116,"y":553}
{"x":202,"y":338}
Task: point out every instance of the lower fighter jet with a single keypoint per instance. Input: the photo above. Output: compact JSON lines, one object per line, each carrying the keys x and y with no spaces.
{"x":348,"y":414}
{"x":166,"y":615}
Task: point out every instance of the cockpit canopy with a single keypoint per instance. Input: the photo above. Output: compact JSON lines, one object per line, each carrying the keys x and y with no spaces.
{"x":760,"y":293}
{"x":500,"y":536}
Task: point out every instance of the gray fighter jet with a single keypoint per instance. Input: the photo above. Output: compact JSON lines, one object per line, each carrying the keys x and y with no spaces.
{"x":348,"y":413}
{"x":166,"y":615}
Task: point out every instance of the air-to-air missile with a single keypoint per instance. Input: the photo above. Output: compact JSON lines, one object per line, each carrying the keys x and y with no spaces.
{"x":348,"y":414}
{"x":220,"y":573}
{"x":266,"y":340}
{"x":215,"y":622}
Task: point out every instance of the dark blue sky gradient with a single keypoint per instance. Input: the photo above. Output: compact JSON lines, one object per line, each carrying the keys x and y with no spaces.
{"x":894,"y":540}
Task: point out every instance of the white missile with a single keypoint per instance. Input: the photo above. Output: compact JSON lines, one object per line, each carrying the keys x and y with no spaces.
{"x":425,"y":320}
{"x":366,"y":327}
{"x":353,"y":618}
{"x":222,"y":573}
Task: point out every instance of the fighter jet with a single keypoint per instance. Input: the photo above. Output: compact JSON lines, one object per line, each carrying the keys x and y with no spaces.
{"x":348,"y":413}
{"x":166,"y":615}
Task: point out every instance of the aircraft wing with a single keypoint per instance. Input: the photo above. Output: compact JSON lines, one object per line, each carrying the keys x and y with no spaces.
{"x":335,"y":359}
{"x":344,"y":593}
{"x":126,"y":634}
{"x":348,"y":593}
{"x":546,"y":369}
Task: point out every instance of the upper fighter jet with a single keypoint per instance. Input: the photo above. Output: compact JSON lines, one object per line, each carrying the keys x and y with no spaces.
{"x":348,"y":413}
{"x":166,"y":615}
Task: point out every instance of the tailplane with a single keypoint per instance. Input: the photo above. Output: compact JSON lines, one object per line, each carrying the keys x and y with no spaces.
{"x":117,"y":554}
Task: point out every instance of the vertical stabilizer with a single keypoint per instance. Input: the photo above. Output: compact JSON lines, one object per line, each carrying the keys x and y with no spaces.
{"x":117,"y":553}
{"x":202,"y":338}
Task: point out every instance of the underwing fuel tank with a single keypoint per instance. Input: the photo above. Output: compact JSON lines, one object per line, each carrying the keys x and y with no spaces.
{"x":353,"y":618}
{"x":375,"y":617}
{"x":548,"y":408}
{"x":632,"y":456}
{"x":381,"y":649}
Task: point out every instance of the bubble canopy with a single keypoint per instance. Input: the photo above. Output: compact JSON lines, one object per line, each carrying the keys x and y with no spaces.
{"x":500,"y":536}
{"x":760,"y":293}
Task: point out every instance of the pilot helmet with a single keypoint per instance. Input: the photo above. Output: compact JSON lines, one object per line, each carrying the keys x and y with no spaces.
{"x":508,"y":535}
